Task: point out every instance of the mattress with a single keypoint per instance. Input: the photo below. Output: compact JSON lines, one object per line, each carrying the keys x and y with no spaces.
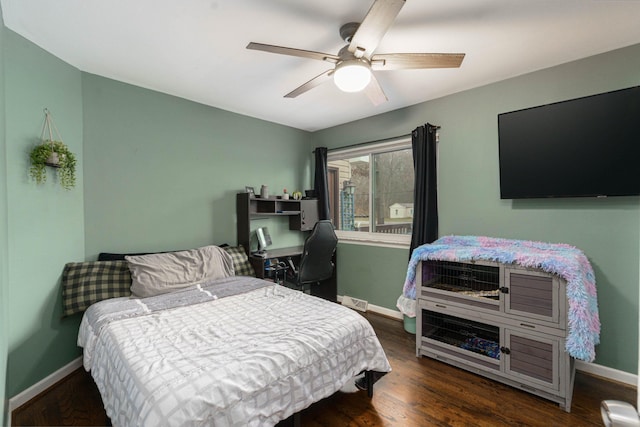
{"x":234,"y":352}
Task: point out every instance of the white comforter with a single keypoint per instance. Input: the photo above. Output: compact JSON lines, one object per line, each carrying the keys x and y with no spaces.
{"x":250,"y":359}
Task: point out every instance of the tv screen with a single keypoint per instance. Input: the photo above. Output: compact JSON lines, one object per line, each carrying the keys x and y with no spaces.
{"x":585,"y":147}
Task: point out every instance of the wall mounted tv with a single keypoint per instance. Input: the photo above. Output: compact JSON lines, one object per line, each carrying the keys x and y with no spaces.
{"x":585,"y":147}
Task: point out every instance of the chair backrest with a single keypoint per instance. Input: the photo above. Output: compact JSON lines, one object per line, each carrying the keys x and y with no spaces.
{"x":316,"y":262}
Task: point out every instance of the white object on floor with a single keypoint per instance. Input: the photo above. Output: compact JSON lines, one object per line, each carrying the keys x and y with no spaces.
{"x":616,"y":413}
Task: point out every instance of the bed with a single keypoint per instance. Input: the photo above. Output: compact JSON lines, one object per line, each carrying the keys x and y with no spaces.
{"x":226,"y":351}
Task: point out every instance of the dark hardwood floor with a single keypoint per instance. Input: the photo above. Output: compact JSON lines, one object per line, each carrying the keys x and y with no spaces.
{"x":419,"y":392}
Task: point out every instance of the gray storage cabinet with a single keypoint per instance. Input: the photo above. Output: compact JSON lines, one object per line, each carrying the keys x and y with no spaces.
{"x":504,"y":322}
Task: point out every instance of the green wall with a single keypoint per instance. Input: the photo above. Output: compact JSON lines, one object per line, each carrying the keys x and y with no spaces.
{"x":45,"y":222}
{"x":4,"y":249}
{"x":607,"y":230}
{"x":377,"y":282}
{"x":161,"y":173}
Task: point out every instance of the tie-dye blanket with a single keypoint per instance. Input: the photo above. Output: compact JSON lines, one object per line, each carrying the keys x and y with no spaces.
{"x":564,"y":260}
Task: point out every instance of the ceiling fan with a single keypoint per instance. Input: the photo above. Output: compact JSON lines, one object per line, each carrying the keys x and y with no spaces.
{"x":355,"y":62}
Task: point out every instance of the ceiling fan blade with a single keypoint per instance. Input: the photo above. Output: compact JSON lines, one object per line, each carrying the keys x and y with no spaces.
{"x":374,"y":26}
{"x":316,"y":81}
{"x":293,"y":52}
{"x":374,"y":91}
{"x":406,"y":61}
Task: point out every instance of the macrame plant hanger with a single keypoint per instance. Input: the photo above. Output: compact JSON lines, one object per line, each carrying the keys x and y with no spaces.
{"x":48,"y":127}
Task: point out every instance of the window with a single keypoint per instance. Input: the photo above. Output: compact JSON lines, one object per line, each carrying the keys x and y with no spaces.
{"x":371,"y":192}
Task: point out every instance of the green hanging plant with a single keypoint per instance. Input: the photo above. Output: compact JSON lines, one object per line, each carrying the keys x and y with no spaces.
{"x":55,"y":154}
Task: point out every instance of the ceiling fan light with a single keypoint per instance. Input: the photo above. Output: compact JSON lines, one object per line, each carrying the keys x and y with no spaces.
{"x":352,"y":76}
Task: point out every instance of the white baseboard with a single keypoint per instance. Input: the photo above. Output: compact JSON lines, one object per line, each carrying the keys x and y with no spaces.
{"x":608,"y":373}
{"x":23,"y":397}
{"x":589,"y":368}
{"x":380,"y":310}
{"x":386,"y":312}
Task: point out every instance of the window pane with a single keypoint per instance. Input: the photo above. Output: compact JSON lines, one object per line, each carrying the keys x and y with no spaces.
{"x":393,"y":190}
{"x":354,"y":186}
{"x":374,"y":192}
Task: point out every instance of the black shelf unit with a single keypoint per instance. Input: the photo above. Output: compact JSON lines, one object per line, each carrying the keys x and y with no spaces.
{"x":302,"y":214}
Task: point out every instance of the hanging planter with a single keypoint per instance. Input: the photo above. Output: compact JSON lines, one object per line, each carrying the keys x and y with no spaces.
{"x":52,"y":153}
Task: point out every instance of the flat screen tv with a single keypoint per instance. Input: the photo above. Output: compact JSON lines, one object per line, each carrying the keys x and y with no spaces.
{"x":585,"y":147}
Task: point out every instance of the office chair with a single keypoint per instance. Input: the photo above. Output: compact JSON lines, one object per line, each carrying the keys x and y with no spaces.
{"x":316,"y":261}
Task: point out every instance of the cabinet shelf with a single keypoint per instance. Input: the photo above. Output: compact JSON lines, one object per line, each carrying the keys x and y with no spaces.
{"x":281,"y":213}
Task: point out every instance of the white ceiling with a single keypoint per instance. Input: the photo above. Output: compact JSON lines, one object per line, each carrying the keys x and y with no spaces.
{"x":195,"y":49}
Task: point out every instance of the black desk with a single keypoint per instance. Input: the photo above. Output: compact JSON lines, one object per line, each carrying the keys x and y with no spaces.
{"x":327,"y":289}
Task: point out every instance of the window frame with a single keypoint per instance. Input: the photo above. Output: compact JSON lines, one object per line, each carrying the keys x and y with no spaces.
{"x":370,"y":149}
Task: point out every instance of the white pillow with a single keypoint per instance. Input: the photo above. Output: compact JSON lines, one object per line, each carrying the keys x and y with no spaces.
{"x":156,"y":274}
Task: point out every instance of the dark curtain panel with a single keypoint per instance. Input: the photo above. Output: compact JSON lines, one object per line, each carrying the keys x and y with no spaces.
{"x":321,"y":186}
{"x":425,"y":193}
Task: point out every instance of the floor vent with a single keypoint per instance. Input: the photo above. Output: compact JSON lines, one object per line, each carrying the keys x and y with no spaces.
{"x":355,"y":303}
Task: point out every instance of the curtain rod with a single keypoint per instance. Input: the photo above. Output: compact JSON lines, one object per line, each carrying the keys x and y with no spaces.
{"x":367,"y":143}
{"x":372,"y":142}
